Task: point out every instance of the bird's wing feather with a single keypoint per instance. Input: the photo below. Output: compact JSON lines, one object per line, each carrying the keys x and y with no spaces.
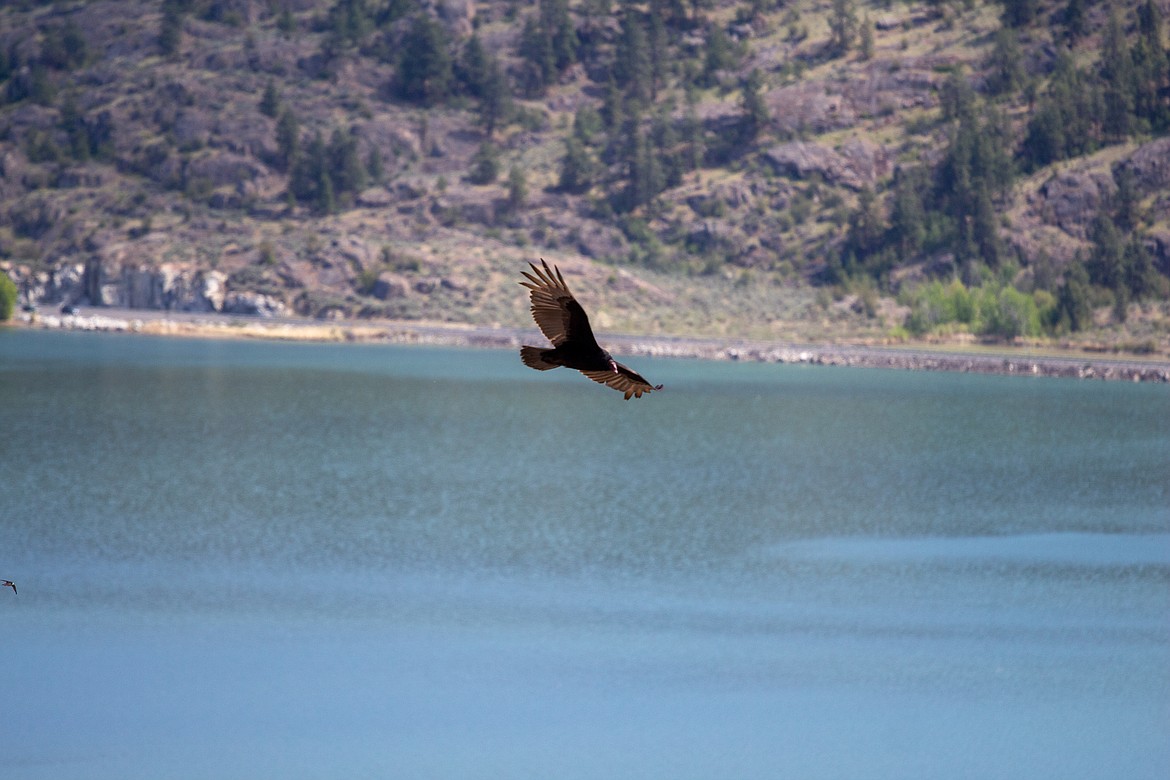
{"x":557,"y":313}
{"x":625,"y":380}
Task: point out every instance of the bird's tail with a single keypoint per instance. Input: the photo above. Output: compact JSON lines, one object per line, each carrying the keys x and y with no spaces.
{"x":533,"y":357}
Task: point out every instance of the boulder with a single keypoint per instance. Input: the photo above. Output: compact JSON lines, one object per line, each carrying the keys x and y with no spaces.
{"x":1150,"y":164}
{"x":220,"y":169}
{"x":389,"y":286}
{"x":1072,"y":199}
{"x":253,"y":304}
{"x":855,"y":167}
{"x":803,"y":106}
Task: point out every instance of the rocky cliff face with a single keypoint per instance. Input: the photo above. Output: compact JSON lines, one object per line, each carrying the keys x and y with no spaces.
{"x":168,"y":287}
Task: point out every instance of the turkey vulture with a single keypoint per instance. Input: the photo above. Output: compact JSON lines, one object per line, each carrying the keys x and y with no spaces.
{"x":562,"y":320}
{"x":8,"y":584}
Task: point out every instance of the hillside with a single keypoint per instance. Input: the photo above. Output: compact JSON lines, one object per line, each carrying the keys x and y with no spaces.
{"x":800,"y":170}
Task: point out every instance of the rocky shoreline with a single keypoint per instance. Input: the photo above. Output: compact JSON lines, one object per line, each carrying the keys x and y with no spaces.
{"x":1005,"y":362}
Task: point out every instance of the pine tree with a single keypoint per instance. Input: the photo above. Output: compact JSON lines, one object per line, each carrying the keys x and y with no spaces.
{"x":1017,"y":13}
{"x":64,"y":47}
{"x":347,"y":23}
{"x":865,"y":226}
{"x":578,"y":167}
{"x":1126,"y":199}
{"x":692,"y":132}
{"x":1074,"y":311}
{"x":73,"y":123}
{"x":908,"y":212}
{"x":957,"y":98}
{"x":612,"y":106}
{"x":754,"y":112}
{"x":375,"y":167}
{"x":1045,"y":141}
{"x":424,"y":68}
{"x":310,"y":180}
{"x":1066,"y":123}
{"x":1106,"y":264}
{"x":1141,"y":274}
{"x":270,"y":101}
{"x":347,"y":174}
{"x":517,"y":188}
{"x":645,"y":176}
{"x":495,"y":97}
{"x":286,"y":22}
{"x":324,"y":202}
{"x":1151,"y":67}
{"x":631,"y":68}
{"x":867,"y":43}
{"x":100,"y":134}
{"x":842,"y":26}
{"x":985,"y":229}
{"x":472,"y":65}
{"x":536,"y":50}
{"x":558,"y":26}
{"x":1118,"y":79}
{"x":170,"y":31}
{"x":660,"y":59}
{"x":288,"y":139}
{"x":1074,"y":19}
{"x":485,"y":164}
{"x":1006,"y":63}
{"x":587,"y":125}
{"x":665,"y":143}
{"x":719,"y":55}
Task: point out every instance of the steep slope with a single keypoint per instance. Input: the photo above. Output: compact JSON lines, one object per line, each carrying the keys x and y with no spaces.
{"x":708,"y":167}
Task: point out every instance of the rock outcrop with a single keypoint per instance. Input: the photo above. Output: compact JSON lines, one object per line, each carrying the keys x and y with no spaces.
{"x":856,"y":165}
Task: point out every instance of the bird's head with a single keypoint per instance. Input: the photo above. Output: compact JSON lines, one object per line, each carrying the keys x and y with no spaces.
{"x":613,"y":365}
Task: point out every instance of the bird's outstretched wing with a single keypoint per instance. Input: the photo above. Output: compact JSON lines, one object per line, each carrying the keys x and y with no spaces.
{"x":626,"y":380}
{"x":557,"y":313}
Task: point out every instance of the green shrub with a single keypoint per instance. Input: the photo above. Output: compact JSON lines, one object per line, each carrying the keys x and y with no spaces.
{"x":1010,"y":314}
{"x":7,"y":297}
{"x":991,"y":309}
{"x":485,"y":165}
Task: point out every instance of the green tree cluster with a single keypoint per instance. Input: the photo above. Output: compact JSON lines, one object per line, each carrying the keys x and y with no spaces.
{"x":425,"y":67}
{"x":991,"y":309}
{"x":326,"y":175}
{"x":1126,"y":93}
{"x":951,"y":208}
{"x":63,"y":48}
{"x":483,"y":78}
{"x":548,"y":45}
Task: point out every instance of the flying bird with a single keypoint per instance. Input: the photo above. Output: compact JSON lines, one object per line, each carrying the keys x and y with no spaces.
{"x":8,"y":584}
{"x":563,"y":322}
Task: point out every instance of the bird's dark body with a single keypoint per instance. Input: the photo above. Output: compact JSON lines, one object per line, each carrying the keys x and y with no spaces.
{"x":566,"y":325}
{"x":577,"y":356}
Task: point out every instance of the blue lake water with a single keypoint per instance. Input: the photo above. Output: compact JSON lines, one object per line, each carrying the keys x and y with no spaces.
{"x":246,"y":560}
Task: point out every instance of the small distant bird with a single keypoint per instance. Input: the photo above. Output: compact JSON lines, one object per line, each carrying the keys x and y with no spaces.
{"x":8,"y":584}
{"x":563,"y":322}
